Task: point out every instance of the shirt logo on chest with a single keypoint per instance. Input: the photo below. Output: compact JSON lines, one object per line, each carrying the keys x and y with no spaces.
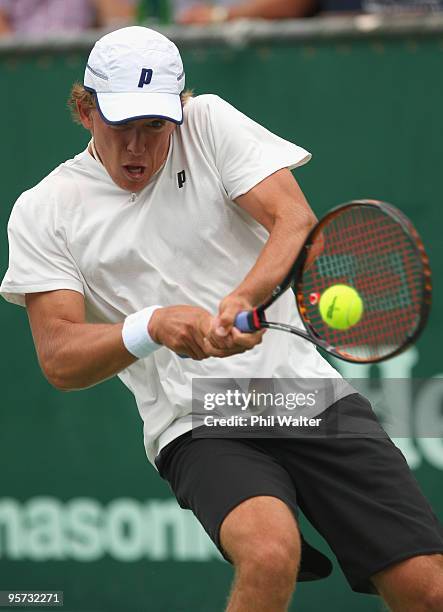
{"x":181,"y":178}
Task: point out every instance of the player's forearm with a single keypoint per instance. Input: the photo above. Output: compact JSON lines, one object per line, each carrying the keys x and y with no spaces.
{"x":79,"y":355}
{"x":285,"y":241}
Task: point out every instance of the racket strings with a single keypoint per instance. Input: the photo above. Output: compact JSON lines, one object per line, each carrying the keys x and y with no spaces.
{"x":367,"y":249}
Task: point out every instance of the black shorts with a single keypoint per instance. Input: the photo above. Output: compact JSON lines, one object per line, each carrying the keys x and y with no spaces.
{"x":357,"y":491}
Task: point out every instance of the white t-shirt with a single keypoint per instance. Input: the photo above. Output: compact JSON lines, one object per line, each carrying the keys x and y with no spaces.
{"x":165,"y":245}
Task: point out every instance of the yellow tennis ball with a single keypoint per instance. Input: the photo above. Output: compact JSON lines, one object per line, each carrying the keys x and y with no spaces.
{"x":340,"y":306}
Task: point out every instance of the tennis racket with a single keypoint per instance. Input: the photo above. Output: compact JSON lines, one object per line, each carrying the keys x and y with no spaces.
{"x":374,"y":249}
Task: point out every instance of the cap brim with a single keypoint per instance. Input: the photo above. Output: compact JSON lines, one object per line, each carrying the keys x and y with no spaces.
{"x":118,"y":108}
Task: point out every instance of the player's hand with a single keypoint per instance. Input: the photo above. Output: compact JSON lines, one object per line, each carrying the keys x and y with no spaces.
{"x":181,"y":329}
{"x":185,"y":330}
{"x":223,"y":334}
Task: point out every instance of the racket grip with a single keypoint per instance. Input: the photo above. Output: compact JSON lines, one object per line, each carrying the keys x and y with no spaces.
{"x":243,"y":321}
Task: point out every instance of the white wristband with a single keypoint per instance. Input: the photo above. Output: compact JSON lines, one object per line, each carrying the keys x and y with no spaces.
{"x":135,"y":333}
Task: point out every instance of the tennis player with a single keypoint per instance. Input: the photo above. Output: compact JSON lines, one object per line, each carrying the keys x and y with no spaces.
{"x":180,"y":213}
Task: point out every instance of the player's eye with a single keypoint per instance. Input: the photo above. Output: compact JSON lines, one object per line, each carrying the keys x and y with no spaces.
{"x":156,"y":123}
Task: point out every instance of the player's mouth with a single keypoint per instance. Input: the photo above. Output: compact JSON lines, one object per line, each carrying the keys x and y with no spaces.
{"x":134,"y":172}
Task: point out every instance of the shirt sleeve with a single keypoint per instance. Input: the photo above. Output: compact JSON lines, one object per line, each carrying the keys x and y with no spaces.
{"x":39,"y":259}
{"x":246,"y":152}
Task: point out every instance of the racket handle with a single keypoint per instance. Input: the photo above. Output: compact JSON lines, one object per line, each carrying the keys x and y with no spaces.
{"x":244,"y":321}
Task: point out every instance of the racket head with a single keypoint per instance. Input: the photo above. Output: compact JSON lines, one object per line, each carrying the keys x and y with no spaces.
{"x":372,"y":247}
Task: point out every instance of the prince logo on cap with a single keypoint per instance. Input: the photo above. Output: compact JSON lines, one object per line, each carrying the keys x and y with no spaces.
{"x":145,"y":77}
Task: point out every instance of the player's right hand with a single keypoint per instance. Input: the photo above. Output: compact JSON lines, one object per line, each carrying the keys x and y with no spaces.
{"x":184,"y":330}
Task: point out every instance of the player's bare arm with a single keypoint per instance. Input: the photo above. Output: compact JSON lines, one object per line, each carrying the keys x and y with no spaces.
{"x":74,"y":354}
{"x":279,"y":205}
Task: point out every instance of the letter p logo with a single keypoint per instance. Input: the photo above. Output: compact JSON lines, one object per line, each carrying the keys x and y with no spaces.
{"x":145,"y":77}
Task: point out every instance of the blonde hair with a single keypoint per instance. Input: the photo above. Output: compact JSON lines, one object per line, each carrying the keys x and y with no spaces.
{"x":80,"y":95}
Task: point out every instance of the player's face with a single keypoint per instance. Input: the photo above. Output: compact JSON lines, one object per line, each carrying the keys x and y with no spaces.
{"x":131,"y":152}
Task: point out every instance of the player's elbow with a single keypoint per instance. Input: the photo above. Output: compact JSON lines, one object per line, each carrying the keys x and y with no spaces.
{"x":56,"y":379}
{"x":60,"y":386}
{"x":58,"y":374}
{"x":300,"y":225}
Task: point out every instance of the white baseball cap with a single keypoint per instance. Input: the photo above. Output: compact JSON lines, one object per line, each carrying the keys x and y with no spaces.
{"x":136,"y":72}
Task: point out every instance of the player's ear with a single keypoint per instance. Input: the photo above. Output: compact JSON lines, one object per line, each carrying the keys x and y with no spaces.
{"x":84,"y":113}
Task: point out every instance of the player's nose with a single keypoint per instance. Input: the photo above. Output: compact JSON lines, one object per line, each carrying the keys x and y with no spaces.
{"x":137,"y":143}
